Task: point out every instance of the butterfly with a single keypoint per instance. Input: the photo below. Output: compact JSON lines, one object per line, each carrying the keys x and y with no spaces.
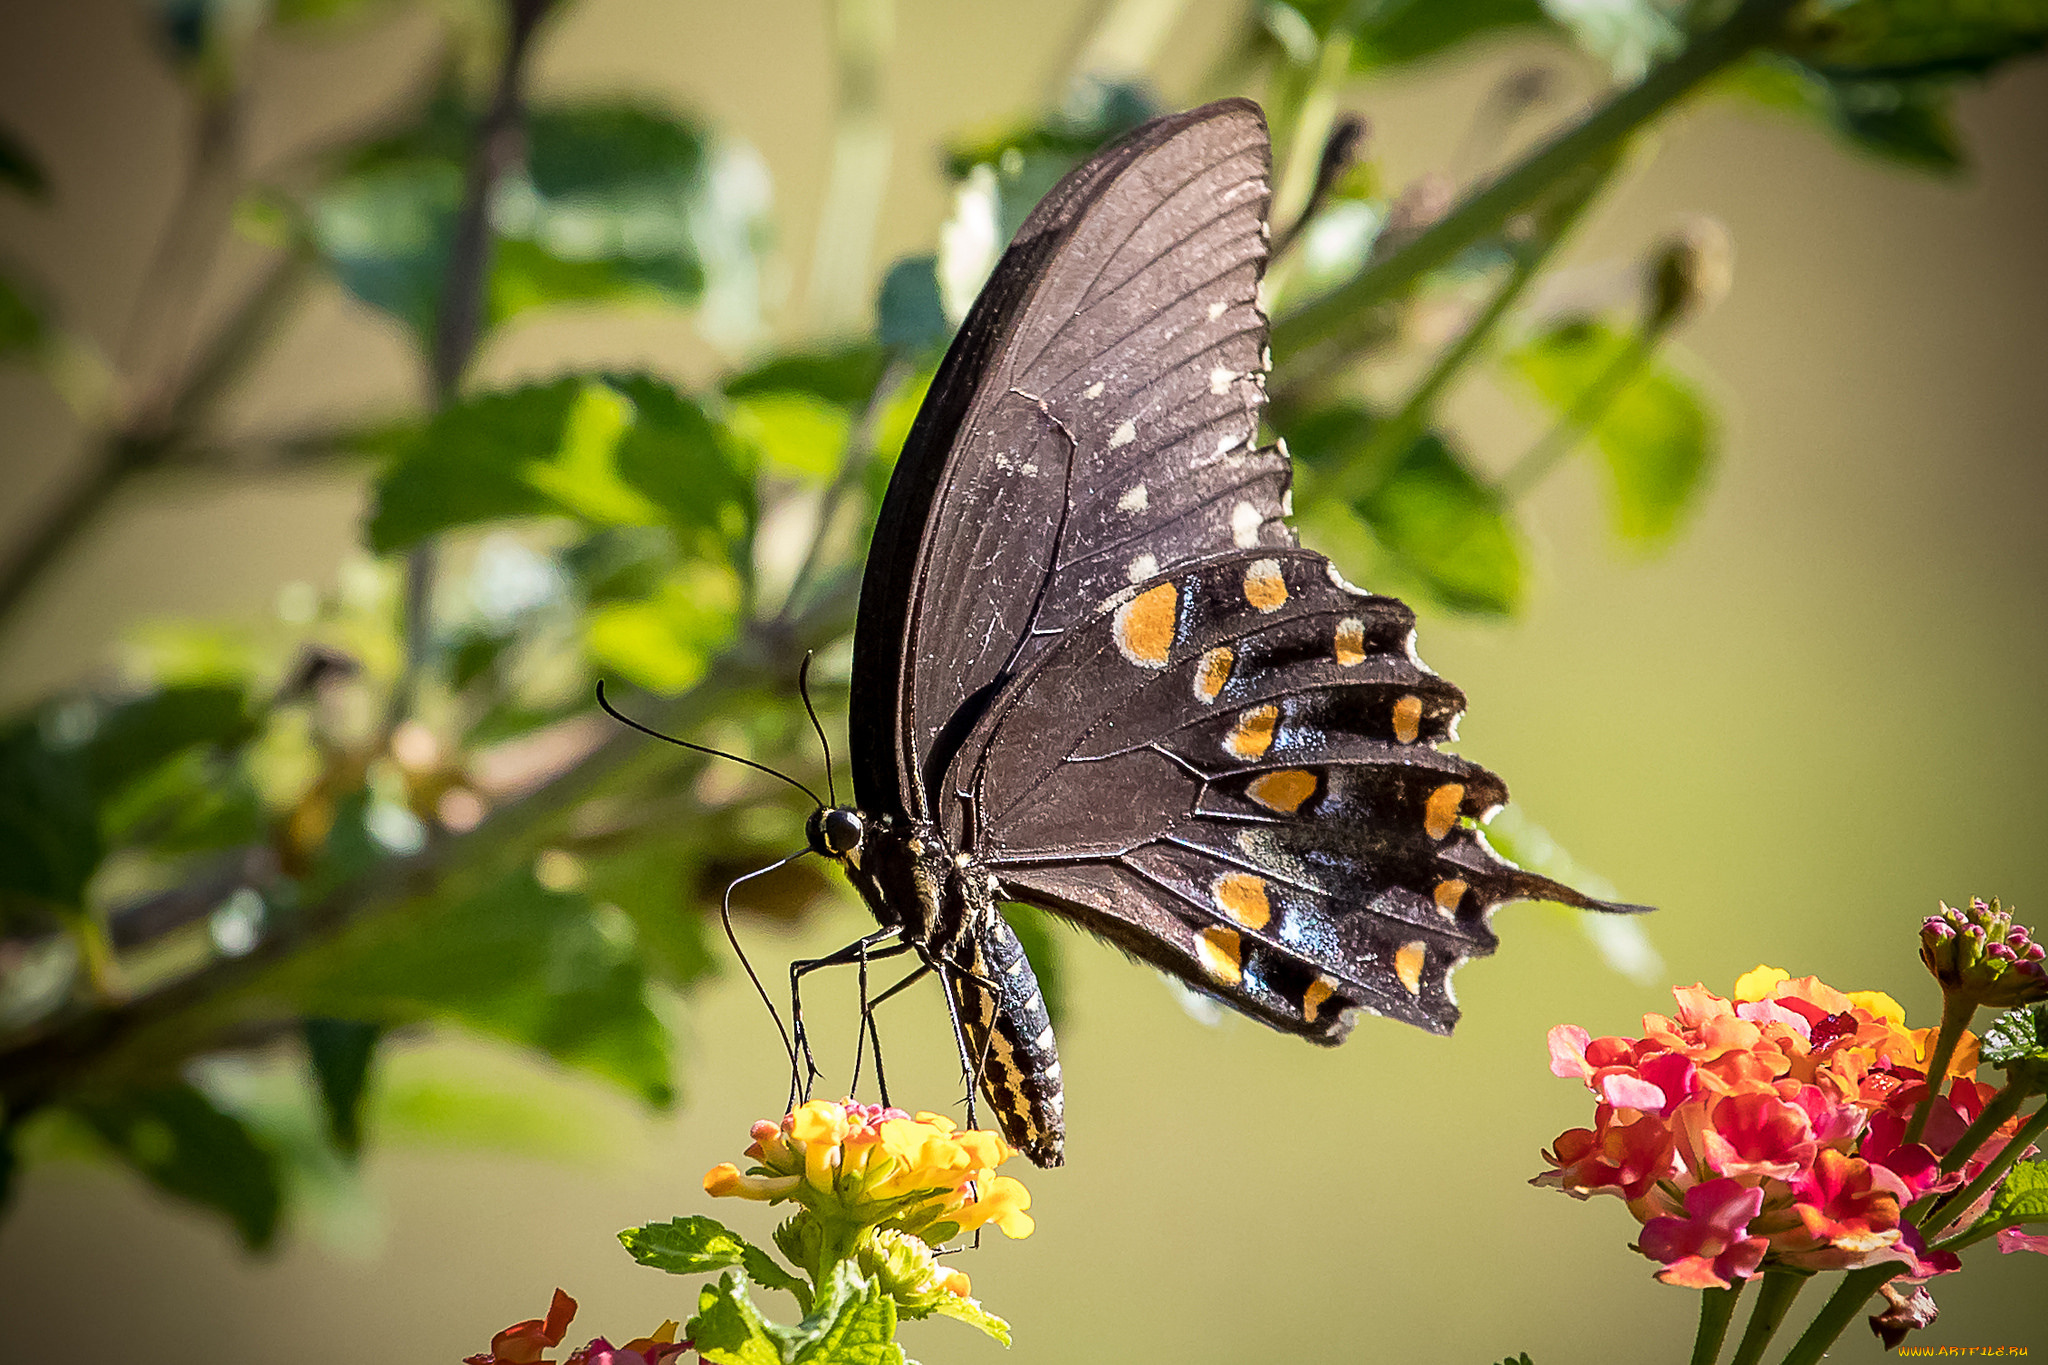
{"x":1094,"y":673}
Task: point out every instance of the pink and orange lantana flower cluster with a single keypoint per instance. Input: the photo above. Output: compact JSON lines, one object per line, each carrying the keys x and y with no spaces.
{"x":1769,"y":1130}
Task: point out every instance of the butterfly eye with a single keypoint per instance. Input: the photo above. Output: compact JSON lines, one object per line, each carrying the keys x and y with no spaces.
{"x":837,"y":832}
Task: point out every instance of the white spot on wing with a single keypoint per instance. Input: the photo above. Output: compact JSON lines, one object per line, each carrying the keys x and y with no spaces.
{"x":1123,"y":435}
{"x":1093,"y":390}
{"x":1218,"y":308}
{"x":1142,"y":568}
{"x":1244,"y":525}
{"x":1136,"y":498}
{"x":1219,"y":380}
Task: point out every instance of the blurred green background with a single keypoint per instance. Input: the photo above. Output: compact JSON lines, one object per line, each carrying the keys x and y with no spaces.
{"x":1815,"y":714}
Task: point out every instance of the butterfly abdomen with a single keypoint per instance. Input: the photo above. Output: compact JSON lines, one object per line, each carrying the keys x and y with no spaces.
{"x":1009,"y":1038}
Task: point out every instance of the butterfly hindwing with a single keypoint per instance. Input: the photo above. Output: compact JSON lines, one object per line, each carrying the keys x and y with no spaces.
{"x":1233,"y":771}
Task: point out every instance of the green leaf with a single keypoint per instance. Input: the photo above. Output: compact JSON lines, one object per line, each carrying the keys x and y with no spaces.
{"x":686,"y":1246}
{"x":1908,"y":122}
{"x":2017,"y":1037}
{"x":22,"y":328}
{"x":1028,"y":159}
{"x":728,"y":1329}
{"x":674,"y":455}
{"x":666,"y":641}
{"x":1909,"y":38}
{"x":340,"y":1052}
{"x":386,"y":232}
{"x":1657,"y":437}
{"x":1042,"y":949}
{"x":2022,"y":1196}
{"x":845,"y":376}
{"x":49,"y":823}
{"x":139,"y":735}
{"x":544,"y":969}
{"x":792,"y":433}
{"x":1448,"y":529}
{"x":909,"y":314}
{"x":861,"y":1332}
{"x":466,"y":465}
{"x":767,"y":1272}
{"x":973,"y":1314}
{"x":185,"y":1145}
{"x":20,"y":170}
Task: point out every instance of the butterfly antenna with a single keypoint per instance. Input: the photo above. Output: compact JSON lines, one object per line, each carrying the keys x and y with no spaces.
{"x":803,"y":688}
{"x":627,"y":720}
{"x":725,"y":917}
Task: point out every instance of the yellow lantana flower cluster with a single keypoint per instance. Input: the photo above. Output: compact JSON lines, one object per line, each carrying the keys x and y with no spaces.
{"x":866,"y":1166}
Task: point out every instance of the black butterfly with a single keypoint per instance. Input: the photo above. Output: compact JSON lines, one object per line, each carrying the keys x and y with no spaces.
{"x":1092,"y":671}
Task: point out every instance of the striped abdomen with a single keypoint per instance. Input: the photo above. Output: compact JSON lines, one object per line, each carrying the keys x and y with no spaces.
{"x":1009,"y":1038}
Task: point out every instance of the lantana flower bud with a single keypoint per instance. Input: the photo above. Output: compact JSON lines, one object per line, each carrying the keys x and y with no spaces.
{"x":1982,"y":956}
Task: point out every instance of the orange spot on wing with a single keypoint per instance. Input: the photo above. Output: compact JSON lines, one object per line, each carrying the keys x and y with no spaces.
{"x":1144,"y":626}
{"x":1350,"y":641}
{"x":1213,"y":672}
{"x":1283,"y":791}
{"x":1222,"y":955}
{"x":1253,"y":733}
{"x":1408,"y":962}
{"x":1408,"y":718}
{"x":1242,"y":896}
{"x":1313,"y":998}
{"x":1264,"y":585}
{"x":1450,"y":895}
{"x":1442,"y":811}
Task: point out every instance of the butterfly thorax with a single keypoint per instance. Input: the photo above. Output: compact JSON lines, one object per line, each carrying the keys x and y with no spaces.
{"x":943,"y":904}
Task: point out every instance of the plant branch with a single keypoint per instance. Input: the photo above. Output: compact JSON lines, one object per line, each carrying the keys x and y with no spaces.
{"x":836,"y":289}
{"x":853,"y":467}
{"x":1773,"y":1301}
{"x":154,"y":1033}
{"x":1717,"y":1309}
{"x":1484,"y":211}
{"x":1994,"y":1171}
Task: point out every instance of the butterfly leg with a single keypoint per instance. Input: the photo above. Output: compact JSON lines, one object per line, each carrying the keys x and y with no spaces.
{"x":804,"y":1066}
{"x":868,"y":1008}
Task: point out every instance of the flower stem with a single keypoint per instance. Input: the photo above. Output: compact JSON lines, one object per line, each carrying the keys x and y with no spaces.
{"x":1773,"y":1301}
{"x":1843,"y":1305}
{"x":2003,"y":1106}
{"x":1752,"y":25}
{"x":1956,"y":1010}
{"x":1717,"y":1309}
{"x":1993,"y":1172}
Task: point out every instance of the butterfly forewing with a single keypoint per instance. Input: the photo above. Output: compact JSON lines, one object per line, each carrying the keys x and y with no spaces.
{"x":1107,"y":433}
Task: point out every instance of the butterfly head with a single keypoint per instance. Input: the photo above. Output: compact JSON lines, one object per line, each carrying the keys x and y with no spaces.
{"x":836,"y":832}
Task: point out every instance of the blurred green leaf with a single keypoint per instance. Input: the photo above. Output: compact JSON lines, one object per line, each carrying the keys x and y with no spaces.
{"x":973,"y":1314}
{"x":20,"y":170}
{"x":1450,"y":529}
{"x":664,"y":642}
{"x":620,"y":562}
{"x":909,"y":314}
{"x":792,"y":434}
{"x":141,"y":734}
{"x":545,"y":969}
{"x":293,"y":13}
{"x":185,"y":1145}
{"x":845,"y":376}
{"x":340,"y":1052}
{"x":49,"y":822}
{"x":1030,"y":158}
{"x":386,"y":231}
{"x":465,"y":465}
{"x":1914,"y":38}
{"x":653,"y":880}
{"x":603,"y":210}
{"x":196,"y":801}
{"x":673,"y":454}
{"x":1655,"y":432}
{"x":22,"y":328}
{"x":1910,"y":122}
